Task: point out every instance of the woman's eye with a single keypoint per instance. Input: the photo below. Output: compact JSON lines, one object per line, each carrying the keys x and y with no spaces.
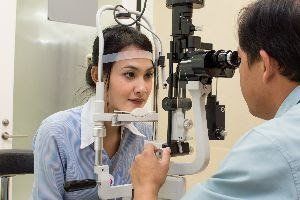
{"x":149,"y":74}
{"x":129,"y":75}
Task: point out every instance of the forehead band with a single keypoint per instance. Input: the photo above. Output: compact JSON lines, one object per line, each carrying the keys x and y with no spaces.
{"x":126,"y":55}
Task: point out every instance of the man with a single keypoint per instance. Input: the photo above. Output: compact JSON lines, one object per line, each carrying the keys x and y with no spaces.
{"x":265,"y":163}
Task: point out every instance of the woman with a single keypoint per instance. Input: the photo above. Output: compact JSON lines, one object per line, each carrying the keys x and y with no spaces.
{"x":63,"y":146}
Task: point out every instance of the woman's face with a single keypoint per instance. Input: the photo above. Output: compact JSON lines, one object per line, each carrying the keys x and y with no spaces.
{"x":130,"y":83}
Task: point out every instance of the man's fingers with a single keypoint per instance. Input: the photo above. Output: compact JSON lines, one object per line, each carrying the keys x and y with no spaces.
{"x":166,"y":155}
{"x":150,"y":148}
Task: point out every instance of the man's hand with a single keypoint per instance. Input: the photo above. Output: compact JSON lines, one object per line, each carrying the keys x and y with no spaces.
{"x":148,"y":173}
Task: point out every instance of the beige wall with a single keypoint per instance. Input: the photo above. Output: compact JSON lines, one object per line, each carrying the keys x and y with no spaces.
{"x":218,"y":19}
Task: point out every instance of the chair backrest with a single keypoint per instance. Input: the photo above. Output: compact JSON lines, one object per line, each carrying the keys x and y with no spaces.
{"x":16,"y":161}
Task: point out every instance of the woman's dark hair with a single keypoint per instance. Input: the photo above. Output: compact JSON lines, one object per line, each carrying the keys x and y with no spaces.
{"x":272,"y":26}
{"x":115,"y":39}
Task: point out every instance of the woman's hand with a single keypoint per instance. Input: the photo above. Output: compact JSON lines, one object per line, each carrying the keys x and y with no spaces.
{"x":148,"y":173}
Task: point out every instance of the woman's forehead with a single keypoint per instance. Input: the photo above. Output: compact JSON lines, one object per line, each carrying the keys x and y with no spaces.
{"x":127,"y":55}
{"x":141,"y":64}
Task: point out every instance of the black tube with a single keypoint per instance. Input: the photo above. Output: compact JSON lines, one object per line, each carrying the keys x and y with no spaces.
{"x":170,"y":94}
{"x":72,"y":186}
{"x":138,"y":8}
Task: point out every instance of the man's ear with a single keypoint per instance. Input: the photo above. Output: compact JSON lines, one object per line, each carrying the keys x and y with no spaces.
{"x":94,"y":73}
{"x":270,"y":66}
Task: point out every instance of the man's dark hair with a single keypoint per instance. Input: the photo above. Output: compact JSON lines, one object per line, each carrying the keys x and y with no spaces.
{"x":272,"y":26}
{"x":115,"y":39}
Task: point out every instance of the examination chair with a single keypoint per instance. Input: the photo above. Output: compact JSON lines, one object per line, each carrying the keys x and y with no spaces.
{"x":13,"y":162}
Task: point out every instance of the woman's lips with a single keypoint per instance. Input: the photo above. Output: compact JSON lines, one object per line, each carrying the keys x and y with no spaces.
{"x":137,"y":101}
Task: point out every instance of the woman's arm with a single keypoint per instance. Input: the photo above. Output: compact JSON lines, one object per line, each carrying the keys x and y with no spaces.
{"x":48,"y":166}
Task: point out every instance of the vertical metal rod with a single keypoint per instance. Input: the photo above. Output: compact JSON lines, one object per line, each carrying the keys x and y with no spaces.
{"x":138,"y":8}
{"x":99,"y":134}
{"x":98,"y":150}
{"x":5,"y":188}
{"x":170,"y":94}
{"x":155,"y":100}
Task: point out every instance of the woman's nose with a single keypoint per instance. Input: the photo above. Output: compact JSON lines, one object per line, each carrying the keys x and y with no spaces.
{"x":140,"y":88}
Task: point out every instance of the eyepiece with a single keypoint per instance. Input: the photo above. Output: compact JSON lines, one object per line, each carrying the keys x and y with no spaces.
{"x":222,"y":59}
{"x":233,"y":58}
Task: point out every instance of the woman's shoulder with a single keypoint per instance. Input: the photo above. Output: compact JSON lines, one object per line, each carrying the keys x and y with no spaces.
{"x":64,"y":116}
{"x":60,"y":123}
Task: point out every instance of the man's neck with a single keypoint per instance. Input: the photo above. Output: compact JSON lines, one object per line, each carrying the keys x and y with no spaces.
{"x":278,"y":93}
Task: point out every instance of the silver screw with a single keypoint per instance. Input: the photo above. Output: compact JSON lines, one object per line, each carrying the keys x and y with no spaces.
{"x":5,"y":122}
{"x":188,"y":123}
{"x":224,"y":133}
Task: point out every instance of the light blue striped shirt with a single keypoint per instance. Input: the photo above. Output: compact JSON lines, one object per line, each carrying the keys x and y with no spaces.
{"x":264,"y":164}
{"x":58,"y":157}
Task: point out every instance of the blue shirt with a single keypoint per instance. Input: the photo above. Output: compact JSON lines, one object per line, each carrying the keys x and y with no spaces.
{"x":59,"y":155}
{"x":264,"y":164}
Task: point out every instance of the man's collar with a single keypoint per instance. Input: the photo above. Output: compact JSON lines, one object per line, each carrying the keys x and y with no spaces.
{"x":87,"y":125}
{"x":291,"y":100}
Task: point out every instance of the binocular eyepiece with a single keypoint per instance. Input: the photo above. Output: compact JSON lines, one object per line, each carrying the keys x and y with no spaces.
{"x":201,"y":65}
{"x":221,"y":59}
